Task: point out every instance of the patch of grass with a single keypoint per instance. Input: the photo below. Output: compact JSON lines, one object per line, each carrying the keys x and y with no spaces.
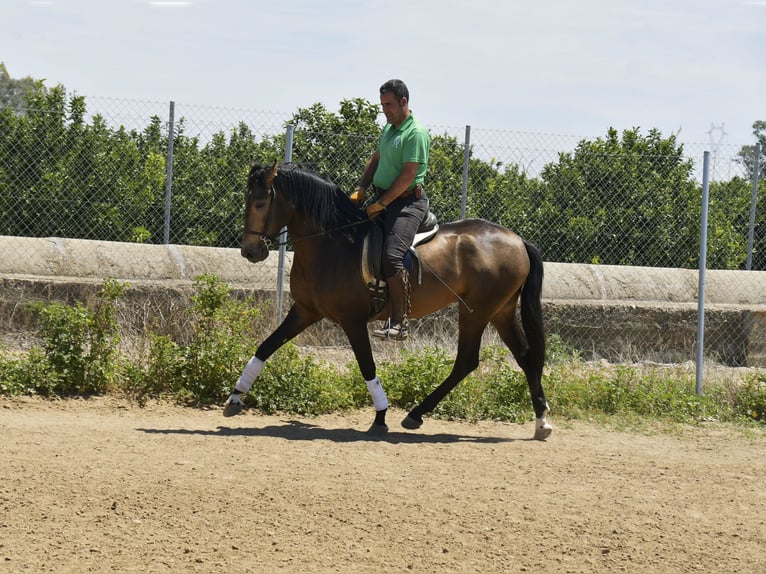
{"x":497,"y":390}
{"x":301,"y":385}
{"x":749,"y":398}
{"x":582,"y":390}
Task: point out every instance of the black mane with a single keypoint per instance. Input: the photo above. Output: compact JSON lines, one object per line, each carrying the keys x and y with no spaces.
{"x":314,"y":196}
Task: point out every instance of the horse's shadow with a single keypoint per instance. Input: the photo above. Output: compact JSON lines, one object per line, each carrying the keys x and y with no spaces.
{"x":299,"y":430}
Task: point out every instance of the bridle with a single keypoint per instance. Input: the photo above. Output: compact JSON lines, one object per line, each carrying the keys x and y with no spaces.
{"x":265,"y":237}
{"x":268,"y":240}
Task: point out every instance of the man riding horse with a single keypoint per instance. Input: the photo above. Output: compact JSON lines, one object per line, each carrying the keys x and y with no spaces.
{"x":397,"y":170}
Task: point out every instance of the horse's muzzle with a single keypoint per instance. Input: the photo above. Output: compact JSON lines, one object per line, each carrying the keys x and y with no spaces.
{"x":254,"y":251}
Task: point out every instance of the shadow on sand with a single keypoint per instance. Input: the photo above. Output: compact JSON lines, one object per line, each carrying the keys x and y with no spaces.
{"x":298,"y":430}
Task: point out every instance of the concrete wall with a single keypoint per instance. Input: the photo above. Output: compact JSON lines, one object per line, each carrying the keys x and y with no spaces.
{"x":603,"y":310}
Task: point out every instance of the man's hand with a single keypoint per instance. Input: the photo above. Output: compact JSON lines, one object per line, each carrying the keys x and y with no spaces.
{"x":358,"y":196}
{"x":375,"y":210}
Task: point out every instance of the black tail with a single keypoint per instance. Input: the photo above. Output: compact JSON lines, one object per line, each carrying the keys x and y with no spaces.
{"x":532,"y":311}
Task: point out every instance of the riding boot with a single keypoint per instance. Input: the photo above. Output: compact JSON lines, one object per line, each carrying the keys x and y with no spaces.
{"x":399,"y":296}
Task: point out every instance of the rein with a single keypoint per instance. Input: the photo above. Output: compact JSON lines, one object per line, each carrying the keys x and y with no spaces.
{"x":266,"y":238}
{"x":330,"y":231}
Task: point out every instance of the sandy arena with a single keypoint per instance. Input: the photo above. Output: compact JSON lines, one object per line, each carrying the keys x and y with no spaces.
{"x":102,"y":485}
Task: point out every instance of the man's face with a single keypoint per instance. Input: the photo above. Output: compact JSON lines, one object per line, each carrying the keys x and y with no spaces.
{"x":395,"y":109}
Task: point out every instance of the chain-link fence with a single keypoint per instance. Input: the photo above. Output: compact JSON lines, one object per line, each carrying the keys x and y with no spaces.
{"x":108,"y":169}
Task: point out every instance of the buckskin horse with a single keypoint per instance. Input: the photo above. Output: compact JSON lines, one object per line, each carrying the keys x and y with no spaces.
{"x":483,"y":267}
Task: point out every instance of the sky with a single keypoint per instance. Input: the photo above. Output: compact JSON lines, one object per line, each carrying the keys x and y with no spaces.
{"x":695,"y":68}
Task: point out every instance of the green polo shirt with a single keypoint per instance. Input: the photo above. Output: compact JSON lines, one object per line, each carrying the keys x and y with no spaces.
{"x":409,"y":142}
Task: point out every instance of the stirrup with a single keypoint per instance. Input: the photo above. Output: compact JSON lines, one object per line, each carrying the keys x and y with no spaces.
{"x":397,"y":332}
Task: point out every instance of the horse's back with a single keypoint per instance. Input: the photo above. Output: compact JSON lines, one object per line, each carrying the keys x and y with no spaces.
{"x":477,"y":243}
{"x":478,"y":228}
{"x":472,"y":259}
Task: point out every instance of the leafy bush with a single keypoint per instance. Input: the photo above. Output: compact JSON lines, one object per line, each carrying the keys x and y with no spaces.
{"x":295,"y":384}
{"x":750,"y":399}
{"x":80,"y":347}
{"x":79,"y":356}
{"x":204,"y":370}
{"x":160,"y":374}
{"x":29,"y":375}
{"x":409,"y":380}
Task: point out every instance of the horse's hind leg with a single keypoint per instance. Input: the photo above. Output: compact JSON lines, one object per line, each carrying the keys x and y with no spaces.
{"x":469,"y":342}
{"x":531,"y":362}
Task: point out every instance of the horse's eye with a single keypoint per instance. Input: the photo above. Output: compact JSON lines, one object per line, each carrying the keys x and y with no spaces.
{"x":260,"y":204}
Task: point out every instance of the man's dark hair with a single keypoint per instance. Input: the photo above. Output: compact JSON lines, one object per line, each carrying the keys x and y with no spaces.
{"x":398,"y":88}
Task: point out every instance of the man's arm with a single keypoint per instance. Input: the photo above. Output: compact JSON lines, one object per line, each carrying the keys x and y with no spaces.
{"x":369,"y":170}
{"x":360,"y":191}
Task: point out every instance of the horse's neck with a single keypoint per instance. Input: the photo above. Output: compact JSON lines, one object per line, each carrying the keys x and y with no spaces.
{"x":302,"y":230}
{"x":311,"y":245}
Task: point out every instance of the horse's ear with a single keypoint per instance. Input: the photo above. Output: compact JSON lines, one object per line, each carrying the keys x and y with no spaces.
{"x":271,"y":174}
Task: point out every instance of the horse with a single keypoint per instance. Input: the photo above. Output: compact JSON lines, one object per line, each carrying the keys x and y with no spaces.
{"x":485,"y":268}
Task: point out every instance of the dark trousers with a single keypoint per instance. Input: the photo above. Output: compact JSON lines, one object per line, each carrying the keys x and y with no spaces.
{"x":401,"y":221}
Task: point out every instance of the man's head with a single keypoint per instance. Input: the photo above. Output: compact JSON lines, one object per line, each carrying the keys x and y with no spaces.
{"x":394,"y":99}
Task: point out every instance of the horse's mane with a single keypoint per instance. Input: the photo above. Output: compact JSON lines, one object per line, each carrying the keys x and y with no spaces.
{"x":314,"y":196}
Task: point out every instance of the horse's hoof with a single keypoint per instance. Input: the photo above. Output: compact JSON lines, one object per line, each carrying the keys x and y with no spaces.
{"x":377,"y":430}
{"x":543,"y":432}
{"x":412,"y":423}
{"x":232,"y":406}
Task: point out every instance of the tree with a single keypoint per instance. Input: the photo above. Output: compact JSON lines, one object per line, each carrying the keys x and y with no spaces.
{"x":336,"y":144}
{"x":444,"y":178}
{"x":60,"y":176}
{"x":13,"y":92}
{"x":627,"y":200}
{"x":728,"y":221}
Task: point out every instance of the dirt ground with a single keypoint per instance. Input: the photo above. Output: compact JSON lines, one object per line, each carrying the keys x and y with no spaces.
{"x":102,"y":485}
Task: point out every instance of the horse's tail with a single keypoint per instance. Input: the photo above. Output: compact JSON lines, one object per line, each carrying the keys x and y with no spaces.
{"x":532,"y":310}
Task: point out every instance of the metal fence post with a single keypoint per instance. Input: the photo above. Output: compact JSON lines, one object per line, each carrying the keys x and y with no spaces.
{"x":466,"y":157}
{"x":283,"y":241}
{"x":703,"y":265}
{"x":169,"y":172}
{"x":753,"y":202}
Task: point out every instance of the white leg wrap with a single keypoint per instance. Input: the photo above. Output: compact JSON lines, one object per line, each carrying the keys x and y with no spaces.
{"x":249,"y":374}
{"x":377,"y":393}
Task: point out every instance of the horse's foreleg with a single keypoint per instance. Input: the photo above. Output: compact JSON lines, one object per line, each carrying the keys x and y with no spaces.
{"x":296,"y":321}
{"x":467,"y":360}
{"x":360,"y":344}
